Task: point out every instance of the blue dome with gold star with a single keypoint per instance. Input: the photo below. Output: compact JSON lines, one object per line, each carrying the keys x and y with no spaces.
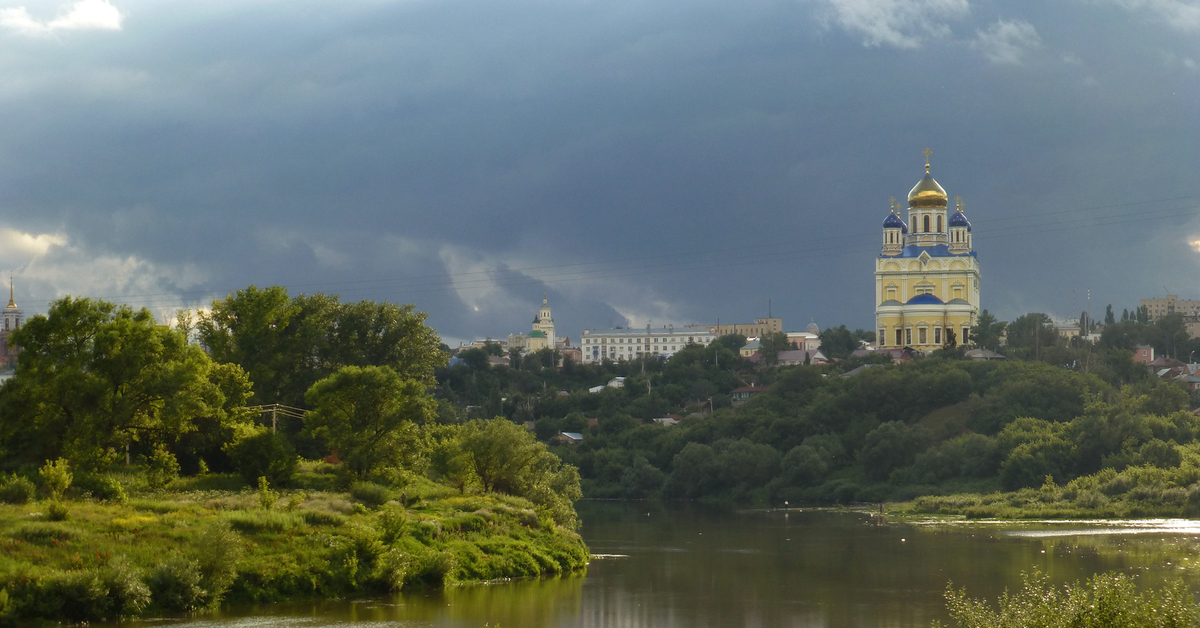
{"x":894,"y":222}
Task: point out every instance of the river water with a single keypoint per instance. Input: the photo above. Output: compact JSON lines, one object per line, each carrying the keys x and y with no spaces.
{"x":686,"y":566}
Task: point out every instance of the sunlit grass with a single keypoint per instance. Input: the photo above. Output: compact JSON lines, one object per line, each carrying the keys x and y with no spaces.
{"x":312,"y":543}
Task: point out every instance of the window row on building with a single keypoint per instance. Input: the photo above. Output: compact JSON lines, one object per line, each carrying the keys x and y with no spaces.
{"x":923,"y":334}
{"x":630,"y":344}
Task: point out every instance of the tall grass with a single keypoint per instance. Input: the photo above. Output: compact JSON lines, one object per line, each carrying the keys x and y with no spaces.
{"x":1108,"y":600}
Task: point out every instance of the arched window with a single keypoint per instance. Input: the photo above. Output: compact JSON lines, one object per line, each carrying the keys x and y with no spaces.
{"x":939,"y":224}
{"x":926,"y":224}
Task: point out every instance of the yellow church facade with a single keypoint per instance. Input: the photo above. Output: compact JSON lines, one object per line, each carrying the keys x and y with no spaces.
{"x":927,"y":273}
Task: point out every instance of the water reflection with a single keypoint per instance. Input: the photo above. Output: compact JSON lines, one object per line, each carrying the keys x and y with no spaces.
{"x":690,"y":566}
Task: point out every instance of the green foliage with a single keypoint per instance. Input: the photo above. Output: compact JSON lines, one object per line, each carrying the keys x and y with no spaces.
{"x":219,"y":551}
{"x":266,"y":454}
{"x":288,"y":344}
{"x":127,"y":593}
{"x":987,"y":331}
{"x":251,"y":521}
{"x":94,"y":377}
{"x":1107,"y":600}
{"x":161,"y":469}
{"x":891,"y":446}
{"x":15,"y":489}
{"x":770,"y":344}
{"x":838,"y":342}
{"x":56,"y":477}
{"x":103,"y":487}
{"x":507,"y":459}
{"x":176,"y":585}
{"x":369,"y":416}
{"x":57,"y":510}
{"x":45,"y":533}
{"x":371,"y":494}
{"x":266,"y":497}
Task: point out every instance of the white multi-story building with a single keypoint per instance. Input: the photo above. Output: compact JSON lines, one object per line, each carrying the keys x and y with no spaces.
{"x":630,"y":344}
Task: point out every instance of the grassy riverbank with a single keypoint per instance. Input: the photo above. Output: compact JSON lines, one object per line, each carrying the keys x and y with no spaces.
{"x":212,"y":541}
{"x":1145,"y":491}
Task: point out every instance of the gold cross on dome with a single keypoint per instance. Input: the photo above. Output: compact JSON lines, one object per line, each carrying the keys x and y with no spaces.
{"x":893,"y":200}
{"x":958,"y":202}
{"x":927,"y":153}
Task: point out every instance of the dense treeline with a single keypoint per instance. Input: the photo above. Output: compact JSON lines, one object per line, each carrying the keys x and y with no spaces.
{"x":896,"y":432}
{"x":1058,"y":407}
{"x":940,"y":425}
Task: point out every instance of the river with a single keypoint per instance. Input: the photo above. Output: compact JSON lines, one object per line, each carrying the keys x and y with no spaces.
{"x":688,"y":566}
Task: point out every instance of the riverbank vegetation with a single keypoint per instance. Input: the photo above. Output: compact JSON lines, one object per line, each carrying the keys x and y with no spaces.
{"x":1108,"y":600}
{"x":1111,"y":438}
{"x":211,"y":540}
{"x":142,"y":472}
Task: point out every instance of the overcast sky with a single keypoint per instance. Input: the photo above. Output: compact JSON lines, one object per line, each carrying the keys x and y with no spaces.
{"x":667,"y":161}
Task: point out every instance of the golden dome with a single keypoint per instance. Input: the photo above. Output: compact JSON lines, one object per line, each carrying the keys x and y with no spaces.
{"x":927,"y":193}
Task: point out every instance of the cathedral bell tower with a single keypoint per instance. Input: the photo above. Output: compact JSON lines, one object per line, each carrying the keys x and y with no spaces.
{"x":12,"y":315}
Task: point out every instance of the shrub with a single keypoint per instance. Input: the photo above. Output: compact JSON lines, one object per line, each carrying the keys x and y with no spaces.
{"x":58,"y":510}
{"x":266,"y":455}
{"x":370,"y":494}
{"x":175,"y":585}
{"x":266,"y":497}
{"x":294,"y":500}
{"x":57,"y":477}
{"x":17,"y":490}
{"x":219,"y":550}
{"x":392,"y":525}
{"x":103,"y":487}
{"x":161,"y":469}
{"x":129,"y":595}
{"x":78,"y":596}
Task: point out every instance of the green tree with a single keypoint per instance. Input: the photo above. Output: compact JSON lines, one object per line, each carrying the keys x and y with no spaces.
{"x":95,"y":378}
{"x":1168,"y":335}
{"x":1124,"y":335}
{"x":369,"y":416}
{"x":508,"y":459}
{"x":1032,"y":334}
{"x":770,"y":345}
{"x":288,"y":344}
{"x":838,"y":342}
{"x":1109,"y":317}
{"x":987,"y":331}
{"x":733,"y":342}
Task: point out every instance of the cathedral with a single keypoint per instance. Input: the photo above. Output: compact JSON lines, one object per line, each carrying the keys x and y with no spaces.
{"x":927,"y":275}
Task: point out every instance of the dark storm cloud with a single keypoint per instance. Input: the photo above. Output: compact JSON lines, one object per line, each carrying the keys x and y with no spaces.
{"x":716,"y":154}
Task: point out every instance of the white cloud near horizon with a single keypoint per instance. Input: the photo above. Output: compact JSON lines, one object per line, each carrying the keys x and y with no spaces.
{"x":898,"y":23}
{"x":82,"y":15}
{"x":1007,"y":42}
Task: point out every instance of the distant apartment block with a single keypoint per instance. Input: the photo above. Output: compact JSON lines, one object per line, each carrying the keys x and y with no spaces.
{"x":757,"y":329}
{"x":630,"y":344}
{"x":1158,"y":308}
